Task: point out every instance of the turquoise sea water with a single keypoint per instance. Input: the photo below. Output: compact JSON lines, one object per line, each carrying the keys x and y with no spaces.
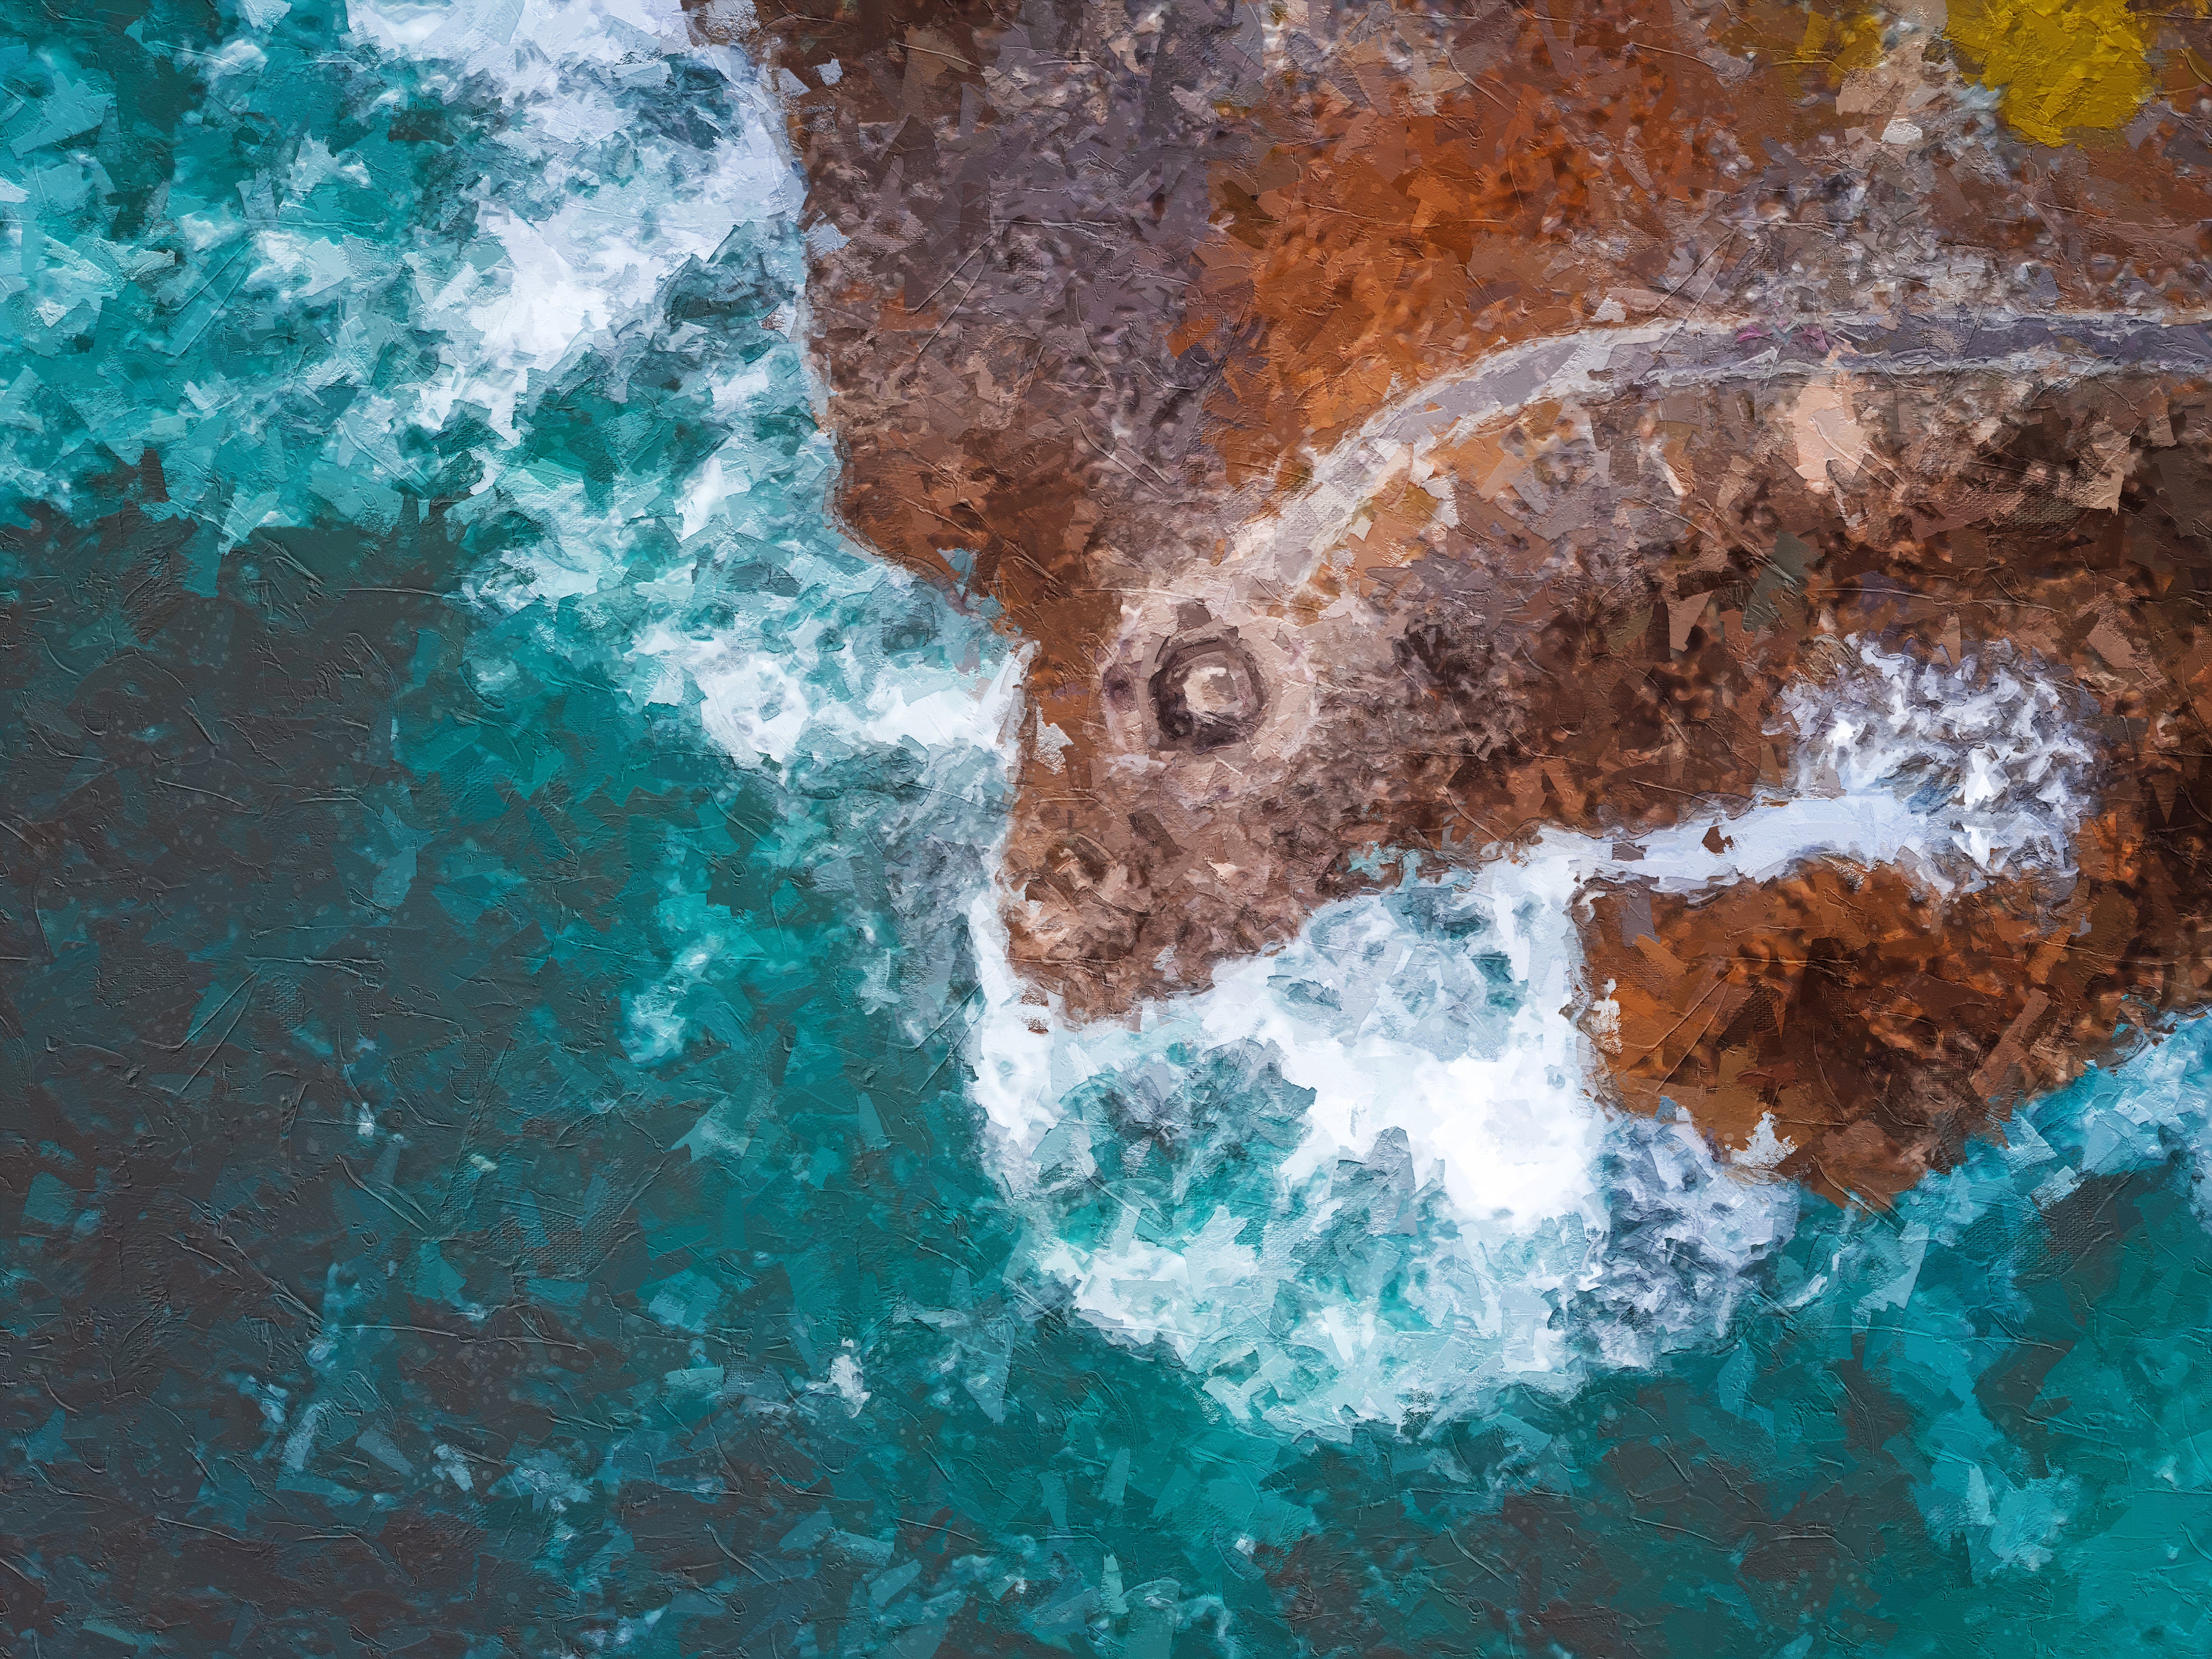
{"x":500,"y":1154}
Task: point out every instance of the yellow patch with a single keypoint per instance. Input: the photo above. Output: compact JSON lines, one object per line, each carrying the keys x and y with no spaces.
{"x":1842,"y":43}
{"x":2061,"y":65}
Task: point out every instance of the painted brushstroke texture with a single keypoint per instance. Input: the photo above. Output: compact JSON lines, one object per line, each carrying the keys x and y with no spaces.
{"x":1397,"y":434}
{"x":499,"y":1163}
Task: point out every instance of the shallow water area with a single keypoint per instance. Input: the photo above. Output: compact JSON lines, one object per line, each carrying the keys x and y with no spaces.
{"x":528,"y":1145}
{"x":1370,"y":1175}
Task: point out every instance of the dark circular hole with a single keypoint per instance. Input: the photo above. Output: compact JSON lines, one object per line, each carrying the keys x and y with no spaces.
{"x":1207,"y":693}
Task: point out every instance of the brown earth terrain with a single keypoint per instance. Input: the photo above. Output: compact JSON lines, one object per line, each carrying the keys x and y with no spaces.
{"x":1139,"y":324}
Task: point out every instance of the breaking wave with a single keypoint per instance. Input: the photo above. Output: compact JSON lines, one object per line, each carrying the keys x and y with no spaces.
{"x":1369,"y":1177}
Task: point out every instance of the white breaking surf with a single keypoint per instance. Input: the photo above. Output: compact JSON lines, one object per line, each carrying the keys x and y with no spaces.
{"x":1367,"y":1178}
{"x":1990,"y":751}
{"x":1422,"y":1045}
{"x":573,"y":257}
{"x":1417,"y":1198}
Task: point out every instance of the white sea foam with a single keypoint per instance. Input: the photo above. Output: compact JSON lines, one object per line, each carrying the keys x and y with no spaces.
{"x":1369,"y":1177}
{"x":577,"y":257}
{"x":578,"y":263}
{"x":1420,"y":1199}
{"x":1421,"y":1044}
{"x":1990,"y":751}
{"x":1366,"y":1178}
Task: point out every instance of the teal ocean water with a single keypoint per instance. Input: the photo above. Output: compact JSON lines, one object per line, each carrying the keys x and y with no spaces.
{"x":521,"y":1138}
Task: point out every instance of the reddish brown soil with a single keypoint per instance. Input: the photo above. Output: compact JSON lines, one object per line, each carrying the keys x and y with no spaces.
{"x":1107,"y":287}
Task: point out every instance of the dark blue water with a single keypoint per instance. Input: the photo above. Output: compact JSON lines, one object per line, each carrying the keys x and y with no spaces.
{"x":506,"y":1151}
